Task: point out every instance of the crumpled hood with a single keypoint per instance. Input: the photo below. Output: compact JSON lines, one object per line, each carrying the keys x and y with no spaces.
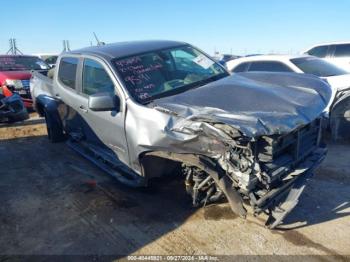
{"x":254,"y":103}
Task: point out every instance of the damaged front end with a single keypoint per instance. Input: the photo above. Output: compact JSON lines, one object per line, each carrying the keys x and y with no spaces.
{"x":269,"y":172}
{"x":249,"y":139}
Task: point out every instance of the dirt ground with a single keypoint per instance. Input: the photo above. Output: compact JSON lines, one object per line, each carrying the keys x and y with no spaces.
{"x":50,"y":205}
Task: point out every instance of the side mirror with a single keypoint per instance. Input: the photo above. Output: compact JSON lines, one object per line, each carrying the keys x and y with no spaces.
{"x":104,"y":102}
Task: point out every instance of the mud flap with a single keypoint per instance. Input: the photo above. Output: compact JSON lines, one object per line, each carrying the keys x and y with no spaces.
{"x":287,"y":202}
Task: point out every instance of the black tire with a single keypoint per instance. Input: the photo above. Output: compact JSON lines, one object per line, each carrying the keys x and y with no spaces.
{"x":54,"y":130}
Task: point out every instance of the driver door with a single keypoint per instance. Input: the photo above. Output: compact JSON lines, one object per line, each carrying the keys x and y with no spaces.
{"x":104,"y":129}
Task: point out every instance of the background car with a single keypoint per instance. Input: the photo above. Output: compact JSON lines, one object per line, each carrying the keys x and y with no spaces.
{"x":50,"y":59}
{"x":227,"y":57}
{"x":15,"y":73}
{"x":335,"y":53}
{"x":338,"y":78}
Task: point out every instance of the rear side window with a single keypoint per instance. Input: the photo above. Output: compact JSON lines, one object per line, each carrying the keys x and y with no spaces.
{"x":95,"y":78}
{"x":68,"y":71}
{"x":240,"y":68}
{"x":319,"y":51}
{"x":269,"y":67}
{"x":342,"y":50}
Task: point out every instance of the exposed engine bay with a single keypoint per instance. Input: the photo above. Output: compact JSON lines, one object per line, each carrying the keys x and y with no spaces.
{"x":257,"y":171}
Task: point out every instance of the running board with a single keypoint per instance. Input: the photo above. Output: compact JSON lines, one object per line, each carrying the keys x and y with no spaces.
{"x":116,"y":169}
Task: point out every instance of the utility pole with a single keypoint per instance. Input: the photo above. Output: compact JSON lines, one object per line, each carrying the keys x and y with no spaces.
{"x":13,"y":47}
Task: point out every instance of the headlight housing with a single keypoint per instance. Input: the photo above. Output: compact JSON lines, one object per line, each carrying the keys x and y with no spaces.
{"x":14,"y":84}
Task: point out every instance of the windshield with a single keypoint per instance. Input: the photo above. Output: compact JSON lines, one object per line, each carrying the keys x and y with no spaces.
{"x":22,"y":63}
{"x":167,"y":72}
{"x":318,"y":67}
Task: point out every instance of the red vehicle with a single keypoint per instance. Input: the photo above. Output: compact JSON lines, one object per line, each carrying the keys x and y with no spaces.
{"x":15,"y":74}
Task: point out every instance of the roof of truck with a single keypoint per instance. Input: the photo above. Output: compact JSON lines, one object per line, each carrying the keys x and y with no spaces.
{"x":122,"y":49}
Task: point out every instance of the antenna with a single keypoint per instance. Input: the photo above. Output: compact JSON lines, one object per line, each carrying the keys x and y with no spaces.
{"x":97,"y":40}
{"x":13,"y":47}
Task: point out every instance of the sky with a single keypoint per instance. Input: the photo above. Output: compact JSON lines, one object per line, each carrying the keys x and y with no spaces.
{"x":225,"y":26}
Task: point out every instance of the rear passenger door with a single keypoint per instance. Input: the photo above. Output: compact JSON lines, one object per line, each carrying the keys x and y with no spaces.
{"x":67,"y":90}
{"x":105,"y":129}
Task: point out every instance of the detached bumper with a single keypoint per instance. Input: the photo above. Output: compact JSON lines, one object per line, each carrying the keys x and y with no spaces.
{"x":279,"y":202}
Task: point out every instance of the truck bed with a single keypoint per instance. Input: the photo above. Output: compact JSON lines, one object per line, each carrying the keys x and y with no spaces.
{"x":41,"y":85}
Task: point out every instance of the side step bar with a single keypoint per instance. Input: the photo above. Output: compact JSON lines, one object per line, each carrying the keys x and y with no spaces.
{"x":116,"y":169}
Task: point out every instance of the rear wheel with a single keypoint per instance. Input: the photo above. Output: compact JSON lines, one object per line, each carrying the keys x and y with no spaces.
{"x":54,"y":130}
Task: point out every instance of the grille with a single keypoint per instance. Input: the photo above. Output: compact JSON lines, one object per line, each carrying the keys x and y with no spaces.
{"x":279,"y":154}
{"x":25,"y":83}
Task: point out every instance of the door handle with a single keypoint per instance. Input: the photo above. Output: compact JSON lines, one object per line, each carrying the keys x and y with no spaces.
{"x":83,"y":109}
{"x":58,"y":96}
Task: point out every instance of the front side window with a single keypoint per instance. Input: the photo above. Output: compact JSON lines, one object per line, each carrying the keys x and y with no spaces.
{"x":319,"y":51}
{"x":22,"y":63}
{"x":166,"y":72}
{"x":95,"y":78}
{"x":342,"y":50}
{"x":269,"y":67}
{"x":68,"y":71}
{"x":316,"y":66}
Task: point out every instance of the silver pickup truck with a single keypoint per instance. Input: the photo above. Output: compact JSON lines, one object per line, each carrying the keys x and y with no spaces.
{"x":146,"y":109}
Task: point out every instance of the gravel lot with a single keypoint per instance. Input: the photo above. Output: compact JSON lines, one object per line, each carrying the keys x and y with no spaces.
{"x":51,"y":205}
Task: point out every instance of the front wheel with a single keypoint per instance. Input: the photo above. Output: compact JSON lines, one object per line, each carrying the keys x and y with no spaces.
{"x":54,"y":130}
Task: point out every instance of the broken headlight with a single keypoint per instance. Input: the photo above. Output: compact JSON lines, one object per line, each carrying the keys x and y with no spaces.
{"x":14,"y":84}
